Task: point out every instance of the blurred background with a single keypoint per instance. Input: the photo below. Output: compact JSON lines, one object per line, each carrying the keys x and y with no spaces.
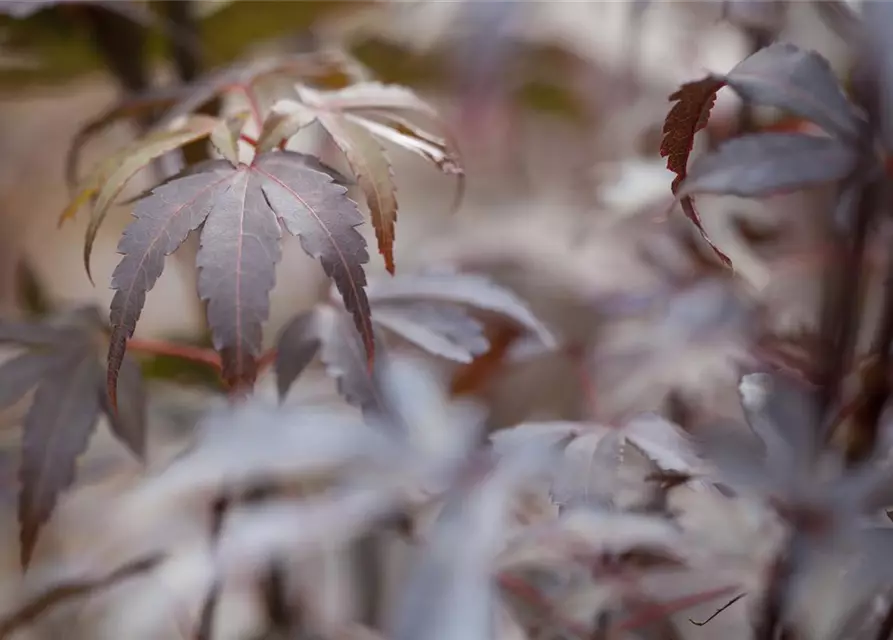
{"x":557,"y":107}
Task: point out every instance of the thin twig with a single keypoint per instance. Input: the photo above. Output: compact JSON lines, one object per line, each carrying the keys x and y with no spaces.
{"x":648,"y":615}
{"x":718,"y":611}
{"x":186,"y":352}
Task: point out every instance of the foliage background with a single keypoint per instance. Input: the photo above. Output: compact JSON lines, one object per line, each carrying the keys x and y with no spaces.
{"x":565,"y":188}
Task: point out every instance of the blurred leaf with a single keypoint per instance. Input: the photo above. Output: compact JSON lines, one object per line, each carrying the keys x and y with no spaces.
{"x":462,"y":289}
{"x":151,"y":102}
{"x":877,"y":20}
{"x":68,"y":375}
{"x":593,"y":532}
{"x":256,"y":444}
{"x":441,"y":433}
{"x":450,"y":592}
{"x":25,"y":8}
{"x":297,"y":345}
{"x":766,"y":163}
{"x":343,"y":356}
{"x":800,"y":82}
{"x":425,"y":309}
{"x":180,"y":101}
{"x":128,"y":422}
{"x":592,"y":470}
{"x":440,"y":329}
{"x":69,"y":588}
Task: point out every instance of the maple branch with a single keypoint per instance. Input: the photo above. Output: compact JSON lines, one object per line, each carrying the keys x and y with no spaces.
{"x":532,"y":598}
{"x":186,"y":352}
{"x":266,"y":359}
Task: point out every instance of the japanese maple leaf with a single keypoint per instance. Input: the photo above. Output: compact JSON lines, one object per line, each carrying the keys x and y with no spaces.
{"x":357,"y":118}
{"x":242,"y":210}
{"x":62,"y":362}
{"x":431,"y":310}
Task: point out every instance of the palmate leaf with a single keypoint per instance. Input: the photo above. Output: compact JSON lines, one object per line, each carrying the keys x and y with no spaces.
{"x":354,"y":117}
{"x":63,"y":364}
{"x":428,"y":309}
{"x":242,"y":209}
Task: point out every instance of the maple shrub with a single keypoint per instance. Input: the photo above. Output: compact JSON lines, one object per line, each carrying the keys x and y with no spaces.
{"x":541,"y":529}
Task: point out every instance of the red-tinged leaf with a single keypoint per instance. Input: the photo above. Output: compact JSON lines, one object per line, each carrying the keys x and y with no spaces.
{"x":800,"y":82}
{"x":349,"y":113}
{"x":318,"y":210}
{"x":443,"y":152}
{"x":688,"y":207}
{"x":162,"y":221}
{"x":57,"y":430}
{"x":688,"y":116}
{"x":242,"y":208}
{"x":138,"y":156}
{"x":297,"y":345}
{"x":373,"y":170}
{"x":766,"y":163}
{"x":237,"y":261}
{"x":128,"y":418}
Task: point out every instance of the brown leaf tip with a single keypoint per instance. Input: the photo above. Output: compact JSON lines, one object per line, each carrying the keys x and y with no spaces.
{"x":694,"y":100}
